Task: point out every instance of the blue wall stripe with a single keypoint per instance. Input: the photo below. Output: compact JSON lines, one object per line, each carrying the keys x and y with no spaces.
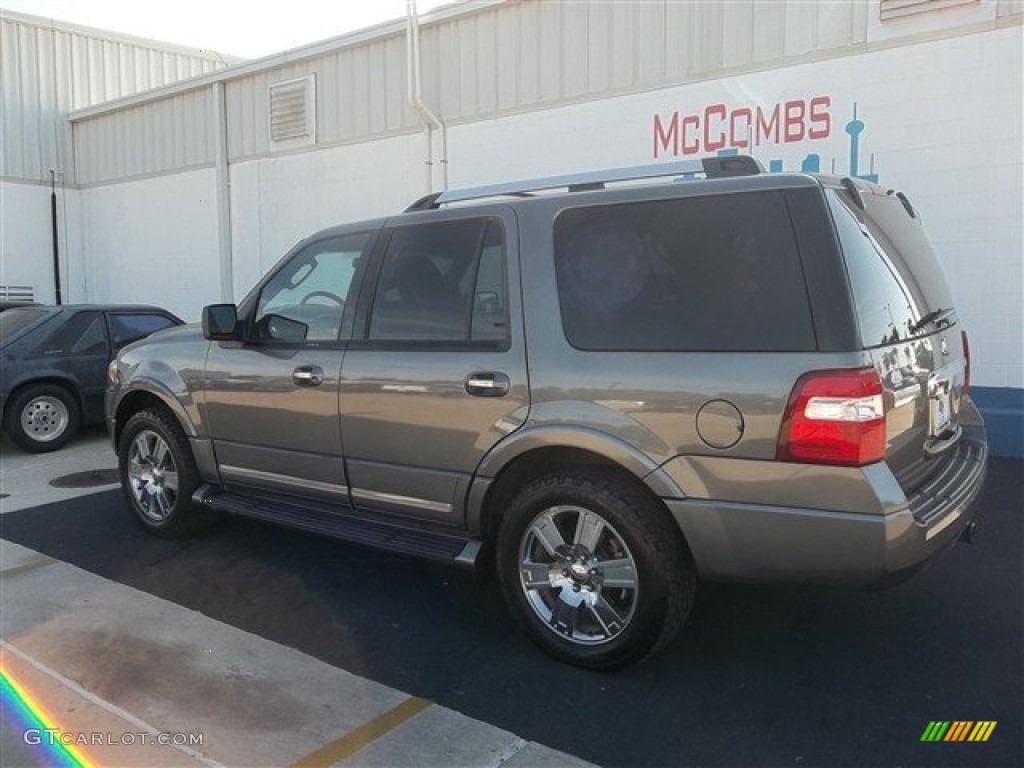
{"x":1003,"y":409}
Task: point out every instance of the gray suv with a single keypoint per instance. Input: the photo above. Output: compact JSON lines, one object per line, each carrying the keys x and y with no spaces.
{"x":617,"y":388}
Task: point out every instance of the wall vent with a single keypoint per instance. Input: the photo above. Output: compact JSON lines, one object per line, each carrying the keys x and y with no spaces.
{"x":18,"y":293}
{"x":897,"y":9}
{"x":293,"y":109}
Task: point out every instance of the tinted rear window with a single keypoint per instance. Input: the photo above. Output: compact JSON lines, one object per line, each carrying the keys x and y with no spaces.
{"x":699,"y":273}
{"x":83,"y":333}
{"x":442,"y":282}
{"x":894,"y":275}
{"x":13,"y":321}
{"x":125,"y":328}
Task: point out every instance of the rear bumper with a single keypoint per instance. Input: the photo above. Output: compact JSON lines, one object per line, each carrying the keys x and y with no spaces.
{"x":733,"y":541}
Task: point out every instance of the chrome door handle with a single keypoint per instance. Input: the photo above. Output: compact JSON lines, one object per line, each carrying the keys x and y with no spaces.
{"x":487,"y":384}
{"x":308,"y":376}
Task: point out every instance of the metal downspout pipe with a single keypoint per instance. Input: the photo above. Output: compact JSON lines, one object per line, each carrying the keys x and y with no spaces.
{"x":427,"y":117}
{"x":223,"y":197}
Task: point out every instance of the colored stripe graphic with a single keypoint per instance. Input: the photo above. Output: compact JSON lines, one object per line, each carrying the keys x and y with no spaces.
{"x":27,"y":712}
{"x":958,"y":730}
{"x":982,"y":730}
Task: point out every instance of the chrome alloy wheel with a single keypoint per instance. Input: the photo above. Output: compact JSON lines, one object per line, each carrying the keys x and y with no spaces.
{"x":578,"y":575}
{"x":153,"y":475}
{"x":45,"y":418}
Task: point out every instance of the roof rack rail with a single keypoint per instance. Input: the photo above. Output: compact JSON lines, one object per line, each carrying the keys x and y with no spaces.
{"x":711,"y":167}
{"x":854,"y":191}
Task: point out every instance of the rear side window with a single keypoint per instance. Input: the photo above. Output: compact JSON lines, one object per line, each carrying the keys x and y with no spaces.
{"x":13,"y":321}
{"x":716,"y":273}
{"x":84,"y":333}
{"x":124,"y":329}
{"x":442,"y":282}
{"x":894,"y":275}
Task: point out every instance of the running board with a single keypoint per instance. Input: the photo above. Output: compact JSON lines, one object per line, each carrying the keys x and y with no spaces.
{"x":329,"y":520}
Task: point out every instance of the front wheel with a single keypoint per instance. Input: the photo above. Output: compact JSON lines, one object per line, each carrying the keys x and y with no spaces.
{"x":159,"y":475}
{"x":594,"y":569}
{"x":43,"y":418}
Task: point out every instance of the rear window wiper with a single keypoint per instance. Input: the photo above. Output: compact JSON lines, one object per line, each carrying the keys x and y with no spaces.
{"x":935,"y":316}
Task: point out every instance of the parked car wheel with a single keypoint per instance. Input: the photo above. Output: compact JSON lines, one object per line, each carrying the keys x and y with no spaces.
{"x":159,"y":475}
{"x":43,"y":417}
{"x":593,"y":569}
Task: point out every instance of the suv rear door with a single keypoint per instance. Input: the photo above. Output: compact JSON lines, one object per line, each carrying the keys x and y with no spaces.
{"x":436,"y":371}
{"x":907,"y":322}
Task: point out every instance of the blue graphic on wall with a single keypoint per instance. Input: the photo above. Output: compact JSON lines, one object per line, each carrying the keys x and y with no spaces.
{"x":812,"y":162}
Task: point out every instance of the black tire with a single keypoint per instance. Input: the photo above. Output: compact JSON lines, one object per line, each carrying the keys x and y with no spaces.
{"x":632,"y":528}
{"x":43,"y":417}
{"x":152,"y":446}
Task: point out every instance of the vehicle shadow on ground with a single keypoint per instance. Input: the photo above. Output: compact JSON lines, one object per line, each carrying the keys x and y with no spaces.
{"x":760,"y":675}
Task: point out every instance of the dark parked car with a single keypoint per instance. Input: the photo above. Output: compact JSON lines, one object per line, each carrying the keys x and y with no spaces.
{"x":54,"y":365}
{"x":623,"y":390}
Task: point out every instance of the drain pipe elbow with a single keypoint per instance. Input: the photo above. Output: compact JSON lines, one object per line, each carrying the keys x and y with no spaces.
{"x":427,"y":116}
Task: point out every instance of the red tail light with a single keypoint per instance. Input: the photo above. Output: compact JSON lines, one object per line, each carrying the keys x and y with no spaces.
{"x":835,"y":417}
{"x":967,"y":361}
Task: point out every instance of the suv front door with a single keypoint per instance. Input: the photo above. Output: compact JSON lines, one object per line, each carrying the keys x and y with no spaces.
{"x":436,"y":372}
{"x":272,"y":399}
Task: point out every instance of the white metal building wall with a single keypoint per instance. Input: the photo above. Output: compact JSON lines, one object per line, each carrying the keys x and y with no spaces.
{"x":172,"y":134}
{"x":523,"y":55}
{"x":362,"y":92}
{"x":50,"y":68}
{"x":528,"y":54}
{"x":494,"y":59}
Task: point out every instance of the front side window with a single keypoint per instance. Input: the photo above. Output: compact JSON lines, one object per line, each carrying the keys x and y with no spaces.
{"x":306,"y":300}
{"x":442,"y":282}
{"x":710,"y":273}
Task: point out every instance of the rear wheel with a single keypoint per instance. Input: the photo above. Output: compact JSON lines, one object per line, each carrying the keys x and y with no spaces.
{"x":159,"y":475}
{"x":594,"y":569}
{"x":43,"y":417}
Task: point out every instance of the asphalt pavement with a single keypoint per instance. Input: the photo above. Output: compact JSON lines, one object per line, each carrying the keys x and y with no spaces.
{"x":761,"y":675}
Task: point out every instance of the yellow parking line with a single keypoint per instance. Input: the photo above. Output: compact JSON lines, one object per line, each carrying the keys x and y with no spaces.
{"x":361,"y":737}
{"x":40,"y":563}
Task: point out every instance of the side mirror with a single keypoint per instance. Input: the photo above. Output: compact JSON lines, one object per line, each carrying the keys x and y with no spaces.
{"x":220,"y":322}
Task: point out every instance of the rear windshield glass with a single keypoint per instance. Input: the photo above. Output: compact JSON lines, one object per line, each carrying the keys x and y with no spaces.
{"x":896,"y":280}
{"x":690,"y":274}
{"x":14,"y":321}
